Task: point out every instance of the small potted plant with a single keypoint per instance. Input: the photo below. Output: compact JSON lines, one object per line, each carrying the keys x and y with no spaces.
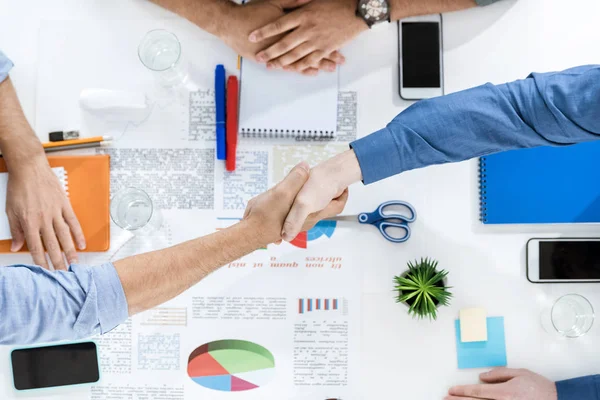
{"x":423,"y":288}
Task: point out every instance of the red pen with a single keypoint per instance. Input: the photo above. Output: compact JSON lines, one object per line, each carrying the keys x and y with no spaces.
{"x":232,"y":122}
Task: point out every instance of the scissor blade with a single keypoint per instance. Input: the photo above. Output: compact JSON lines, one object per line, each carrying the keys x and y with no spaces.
{"x":351,"y":218}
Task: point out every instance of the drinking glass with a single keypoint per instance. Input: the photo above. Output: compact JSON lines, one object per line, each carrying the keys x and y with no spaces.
{"x":570,"y":316}
{"x":133,"y":210}
{"x":160,"y":52}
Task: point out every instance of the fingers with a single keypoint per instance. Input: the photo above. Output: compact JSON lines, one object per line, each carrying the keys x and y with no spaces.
{"x":63,"y":233}
{"x":481,"y":391}
{"x":286,"y":23}
{"x":292,"y":183}
{"x":290,"y":57}
{"x":310,"y":72}
{"x":291,"y":3}
{"x":335,"y":207}
{"x":53,"y":247}
{"x":295,"y":219}
{"x":311,"y":60}
{"x":311,"y":64}
{"x":35,"y":246}
{"x":498,"y":375}
{"x":337,"y":57}
{"x":16,"y":232}
{"x":327,"y":65}
{"x":73,"y":224}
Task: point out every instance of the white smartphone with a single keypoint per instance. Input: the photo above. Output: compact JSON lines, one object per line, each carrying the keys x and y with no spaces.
{"x":420,"y":57}
{"x":563,"y":260}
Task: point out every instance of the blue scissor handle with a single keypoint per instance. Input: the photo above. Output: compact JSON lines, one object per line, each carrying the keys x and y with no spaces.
{"x":385,"y":221}
{"x":383,"y":226}
{"x":378,"y":214}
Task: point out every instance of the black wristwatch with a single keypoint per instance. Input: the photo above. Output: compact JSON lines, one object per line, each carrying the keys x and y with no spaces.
{"x":373,"y":11}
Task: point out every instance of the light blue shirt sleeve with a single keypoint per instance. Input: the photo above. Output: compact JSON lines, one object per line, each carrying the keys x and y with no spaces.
{"x":37,"y":305}
{"x":549,"y":109}
{"x":5,"y":66}
{"x":585,"y":388}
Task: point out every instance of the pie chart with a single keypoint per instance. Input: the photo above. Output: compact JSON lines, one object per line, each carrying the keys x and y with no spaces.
{"x":322,"y":228}
{"x":231,"y":365}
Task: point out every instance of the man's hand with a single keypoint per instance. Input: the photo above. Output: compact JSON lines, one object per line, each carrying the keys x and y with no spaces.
{"x":39,"y":210}
{"x":36,"y":205}
{"x":327,"y":182}
{"x":242,"y":19}
{"x":507,"y":384}
{"x":316,"y":30}
{"x":269,"y":210}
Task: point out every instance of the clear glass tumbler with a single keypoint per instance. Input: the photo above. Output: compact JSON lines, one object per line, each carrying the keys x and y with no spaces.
{"x":133,"y":210}
{"x":570,"y":316}
{"x":160,"y":52}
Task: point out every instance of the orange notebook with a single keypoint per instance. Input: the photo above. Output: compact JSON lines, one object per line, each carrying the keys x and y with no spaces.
{"x":89,"y":193}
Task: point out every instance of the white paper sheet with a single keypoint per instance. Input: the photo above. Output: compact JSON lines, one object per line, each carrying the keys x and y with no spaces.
{"x":281,"y":104}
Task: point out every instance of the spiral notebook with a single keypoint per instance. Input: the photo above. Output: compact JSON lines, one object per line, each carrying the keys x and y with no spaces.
{"x":281,"y":104}
{"x":5,"y":234}
{"x":541,"y":185}
{"x":88,"y":181}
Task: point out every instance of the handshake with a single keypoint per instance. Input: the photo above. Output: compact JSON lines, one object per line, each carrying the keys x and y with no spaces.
{"x":303,"y":198}
{"x":294,"y":35}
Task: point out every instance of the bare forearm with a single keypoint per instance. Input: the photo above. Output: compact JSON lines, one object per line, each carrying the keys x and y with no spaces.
{"x":410,"y":8}
{"x":209,"y":15}
{"x":18,"y":142}
{"x":153,"y":278}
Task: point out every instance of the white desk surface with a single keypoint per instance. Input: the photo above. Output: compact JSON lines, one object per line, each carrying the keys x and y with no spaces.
{"x":403,"y":358}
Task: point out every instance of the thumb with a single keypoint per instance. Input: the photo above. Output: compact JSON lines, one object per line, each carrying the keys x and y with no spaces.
{"x":294,"y":181}
{"x":498,"y":375}
{"x":18,"y":236}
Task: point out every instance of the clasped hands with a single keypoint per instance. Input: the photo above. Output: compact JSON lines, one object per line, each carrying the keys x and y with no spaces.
{"x":303,"y":198}
{"x":295,"y":35}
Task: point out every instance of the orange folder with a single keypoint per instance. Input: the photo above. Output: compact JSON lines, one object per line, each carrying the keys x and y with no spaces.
{"x":89,"y":193}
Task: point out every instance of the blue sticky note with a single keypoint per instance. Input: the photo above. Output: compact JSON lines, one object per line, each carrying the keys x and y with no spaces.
{"x":483,"y":354}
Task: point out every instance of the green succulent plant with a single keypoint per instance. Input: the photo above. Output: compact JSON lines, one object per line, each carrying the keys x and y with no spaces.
{"x":422,"y":288}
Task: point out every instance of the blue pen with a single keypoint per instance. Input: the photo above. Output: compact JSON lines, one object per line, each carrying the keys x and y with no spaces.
{"x":220,"y":108}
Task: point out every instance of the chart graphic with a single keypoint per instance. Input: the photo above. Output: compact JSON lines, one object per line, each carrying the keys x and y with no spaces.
{"x":309,"y":305}
{"x":231,"y":365}
{"x":321,"y":228}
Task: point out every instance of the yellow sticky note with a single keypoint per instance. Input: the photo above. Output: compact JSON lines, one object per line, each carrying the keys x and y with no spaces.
{"x":473,"y":325}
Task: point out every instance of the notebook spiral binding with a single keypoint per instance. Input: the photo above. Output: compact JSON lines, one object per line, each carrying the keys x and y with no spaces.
{"x":63,"y":178}
{"x":286,"y":133}
{"x":482,"y":190}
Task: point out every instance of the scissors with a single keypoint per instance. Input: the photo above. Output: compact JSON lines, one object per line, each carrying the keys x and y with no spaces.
{"x":385,"y":220}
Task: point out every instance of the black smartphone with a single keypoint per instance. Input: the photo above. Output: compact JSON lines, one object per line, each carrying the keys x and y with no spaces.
{"x":563,"y":260}
{"x":420,"y":57}
{"x":51,"y":366}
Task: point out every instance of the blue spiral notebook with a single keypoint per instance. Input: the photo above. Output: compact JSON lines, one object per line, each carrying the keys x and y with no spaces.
{"x":541,"y":185}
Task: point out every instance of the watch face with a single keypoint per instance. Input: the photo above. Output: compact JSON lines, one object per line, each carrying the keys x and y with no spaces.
{"x":374,"y":10}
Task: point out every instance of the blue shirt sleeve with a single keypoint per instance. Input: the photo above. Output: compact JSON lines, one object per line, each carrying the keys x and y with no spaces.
{"x":37,"y":305}
{"x":5,"y":66}
{"x":586,"y":388}
{"x":550,"y":109}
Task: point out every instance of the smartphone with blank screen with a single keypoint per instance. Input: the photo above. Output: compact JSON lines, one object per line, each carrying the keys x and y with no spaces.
{"x":52,"y":366}
{"x":563,"y":260}
{"x":420,"y":57}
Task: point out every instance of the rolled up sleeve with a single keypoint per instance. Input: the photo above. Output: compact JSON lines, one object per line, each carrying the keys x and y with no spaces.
{"x":5,"y":66}
{"x":37,"y":305}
